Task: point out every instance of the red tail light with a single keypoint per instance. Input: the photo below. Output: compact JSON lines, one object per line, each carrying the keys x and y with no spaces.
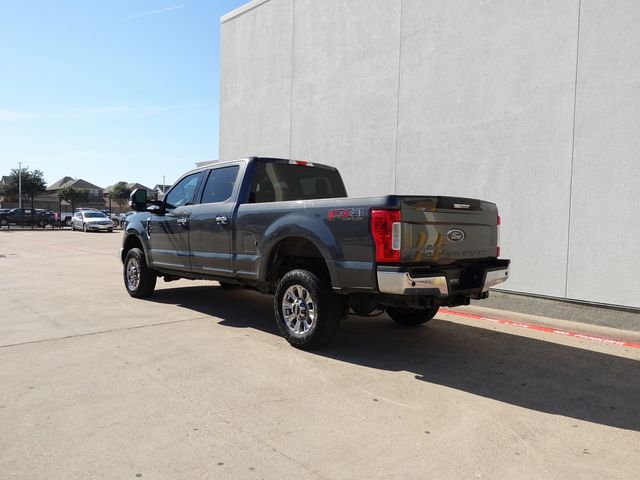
{"x":386,"y":231}
{"x":498,"y":237}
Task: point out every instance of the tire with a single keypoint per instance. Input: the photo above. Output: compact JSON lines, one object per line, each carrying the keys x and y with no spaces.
{"x":139,"y":279}
{"x":73,"y":227}
{"x":410,"y":317}
{"x":307,"y":310}
{"x":110,"y":230}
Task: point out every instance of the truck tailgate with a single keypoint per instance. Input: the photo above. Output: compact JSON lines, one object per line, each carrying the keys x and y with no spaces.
{"x":444,"y":230}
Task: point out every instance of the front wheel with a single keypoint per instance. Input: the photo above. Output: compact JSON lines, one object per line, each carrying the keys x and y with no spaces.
{"x":307,"y":310}
{"x":412,"y":316}
{"x":139,"y":279}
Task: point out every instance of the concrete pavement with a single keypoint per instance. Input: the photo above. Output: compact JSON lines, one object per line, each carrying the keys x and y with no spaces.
{"x":196,"y":383}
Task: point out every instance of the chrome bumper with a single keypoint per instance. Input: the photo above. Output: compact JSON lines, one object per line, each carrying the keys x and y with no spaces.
{"x":402,"y":283}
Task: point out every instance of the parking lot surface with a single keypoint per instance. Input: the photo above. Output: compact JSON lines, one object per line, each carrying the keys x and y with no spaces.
{"x":194,"y":382}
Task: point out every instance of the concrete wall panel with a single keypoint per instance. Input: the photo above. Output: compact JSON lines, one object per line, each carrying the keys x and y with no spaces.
{"x":604,"y":258}
{"x":486,"y":110}
{"x":345,"y":89}
{"x":255,"y":97}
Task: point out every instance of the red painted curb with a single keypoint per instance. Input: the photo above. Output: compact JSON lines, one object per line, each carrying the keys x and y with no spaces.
{"x":539,"y":328}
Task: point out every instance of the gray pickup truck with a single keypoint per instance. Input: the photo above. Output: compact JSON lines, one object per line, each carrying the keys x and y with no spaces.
{"x":287,"y":227}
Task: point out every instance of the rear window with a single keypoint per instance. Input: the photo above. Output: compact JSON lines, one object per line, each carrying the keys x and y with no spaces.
{"x":276,"y":182}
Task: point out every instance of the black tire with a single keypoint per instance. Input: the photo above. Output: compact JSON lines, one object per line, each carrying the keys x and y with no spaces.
{"x":410,"y":317}
{"x":110,"y":230}
{"x":316,"y":321}
{"x":146,"y":277}
{"x":4,"y":222}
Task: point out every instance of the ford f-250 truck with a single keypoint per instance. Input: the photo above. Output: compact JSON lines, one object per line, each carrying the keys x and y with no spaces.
{"x":287,"y":227}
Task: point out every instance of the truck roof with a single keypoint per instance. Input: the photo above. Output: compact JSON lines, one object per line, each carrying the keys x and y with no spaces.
{"x":209,"y":164}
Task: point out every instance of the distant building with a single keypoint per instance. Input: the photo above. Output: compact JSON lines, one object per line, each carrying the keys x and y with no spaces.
{"x":206,"y":162}
{"x":54,"y":187}
{"x":160,"y":190}
{"x":94,"y":192}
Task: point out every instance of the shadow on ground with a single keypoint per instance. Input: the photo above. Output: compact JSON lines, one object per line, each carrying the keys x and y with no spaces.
{"x":529,"y":373}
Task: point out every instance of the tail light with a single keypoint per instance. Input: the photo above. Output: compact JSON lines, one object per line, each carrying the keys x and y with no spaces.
{"x":386,"y":230}
{"x":498,"y":237}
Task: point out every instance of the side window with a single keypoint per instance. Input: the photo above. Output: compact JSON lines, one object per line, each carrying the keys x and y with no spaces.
{"x":183,"y":192}
{"x":263,"y":189}
{"x":219,"y":186}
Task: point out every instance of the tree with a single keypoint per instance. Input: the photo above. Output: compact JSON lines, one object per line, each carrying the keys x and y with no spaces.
{"x":72,"y":195}
{"x":120,"y":193}
{"x":32,"y":183}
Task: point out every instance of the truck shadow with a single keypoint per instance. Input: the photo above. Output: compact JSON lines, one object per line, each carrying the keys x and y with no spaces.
{"x":530,"y":373}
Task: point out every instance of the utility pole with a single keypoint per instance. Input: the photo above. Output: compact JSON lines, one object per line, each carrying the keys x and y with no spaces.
{"x":19,"y":184}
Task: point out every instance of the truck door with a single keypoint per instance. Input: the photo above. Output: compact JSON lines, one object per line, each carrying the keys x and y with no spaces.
{"x":211,"y":223}
{"x":169,"y":232}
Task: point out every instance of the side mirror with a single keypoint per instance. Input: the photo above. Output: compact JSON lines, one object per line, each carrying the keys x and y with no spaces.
{"x":138,"y":200}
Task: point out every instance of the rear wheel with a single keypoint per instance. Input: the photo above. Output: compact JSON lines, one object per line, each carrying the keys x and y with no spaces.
{"x":307,"y":310}
{"x":139,"y":279}
{"x":412,"y":316}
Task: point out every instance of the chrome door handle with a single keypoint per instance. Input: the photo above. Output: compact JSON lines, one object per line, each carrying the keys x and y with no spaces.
{"x":221,"y":219}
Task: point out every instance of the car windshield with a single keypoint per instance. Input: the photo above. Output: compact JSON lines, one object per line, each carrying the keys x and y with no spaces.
{"x":95,"y":215}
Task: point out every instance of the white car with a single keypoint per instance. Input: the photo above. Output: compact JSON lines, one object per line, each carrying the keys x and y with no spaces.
{"x":88,"y":220}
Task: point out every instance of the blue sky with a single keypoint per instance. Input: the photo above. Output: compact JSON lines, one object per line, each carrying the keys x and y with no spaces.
{"x":109,"y":90}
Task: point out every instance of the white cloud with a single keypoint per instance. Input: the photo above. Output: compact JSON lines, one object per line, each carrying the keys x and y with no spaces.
{"x":9,"y":115}
{"x":6,"y":114}
{"x":154,"y":12}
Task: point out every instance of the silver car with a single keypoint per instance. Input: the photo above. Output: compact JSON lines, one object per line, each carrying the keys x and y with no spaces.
{"x":91,"y":220}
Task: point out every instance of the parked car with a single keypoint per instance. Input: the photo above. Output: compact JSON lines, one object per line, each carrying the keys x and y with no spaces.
{"x":27,"y":217}
{"x":122,"y":219}
{"x":287,"y":227}
{"x":91,"y":220}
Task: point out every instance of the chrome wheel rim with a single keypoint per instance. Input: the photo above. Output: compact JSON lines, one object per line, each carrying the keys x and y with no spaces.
{"x":298,"y":310}
{"x":133,"y":273}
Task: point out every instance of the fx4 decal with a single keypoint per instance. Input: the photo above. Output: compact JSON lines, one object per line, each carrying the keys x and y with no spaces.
{"x":345,"y":214}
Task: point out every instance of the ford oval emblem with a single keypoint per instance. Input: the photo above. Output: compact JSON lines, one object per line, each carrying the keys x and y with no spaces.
{"x":456,"y":235}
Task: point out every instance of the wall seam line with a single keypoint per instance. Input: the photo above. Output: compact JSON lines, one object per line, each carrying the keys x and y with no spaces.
{"x":395,"y":166}
{"x":293,"y":34}
{"x":573,"y":148}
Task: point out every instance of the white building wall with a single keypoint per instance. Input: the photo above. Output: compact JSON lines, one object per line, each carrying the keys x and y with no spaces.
{"x":533,"y":105}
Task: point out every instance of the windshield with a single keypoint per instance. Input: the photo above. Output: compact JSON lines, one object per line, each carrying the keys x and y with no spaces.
{"x":94,"y":215}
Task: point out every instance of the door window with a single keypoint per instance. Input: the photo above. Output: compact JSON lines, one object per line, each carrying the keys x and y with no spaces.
{"x":184,"y":192}
{"x":219,"y":186}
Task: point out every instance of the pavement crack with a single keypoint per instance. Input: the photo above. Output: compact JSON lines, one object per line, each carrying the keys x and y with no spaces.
{"x":89,"y":334}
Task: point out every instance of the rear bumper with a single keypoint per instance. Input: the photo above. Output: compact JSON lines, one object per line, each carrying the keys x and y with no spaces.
{"x":469,"y":281}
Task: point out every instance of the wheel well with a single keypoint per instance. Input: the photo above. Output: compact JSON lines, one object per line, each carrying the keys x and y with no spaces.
{"x":131,"y":242}
{"x":295,"y":252}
